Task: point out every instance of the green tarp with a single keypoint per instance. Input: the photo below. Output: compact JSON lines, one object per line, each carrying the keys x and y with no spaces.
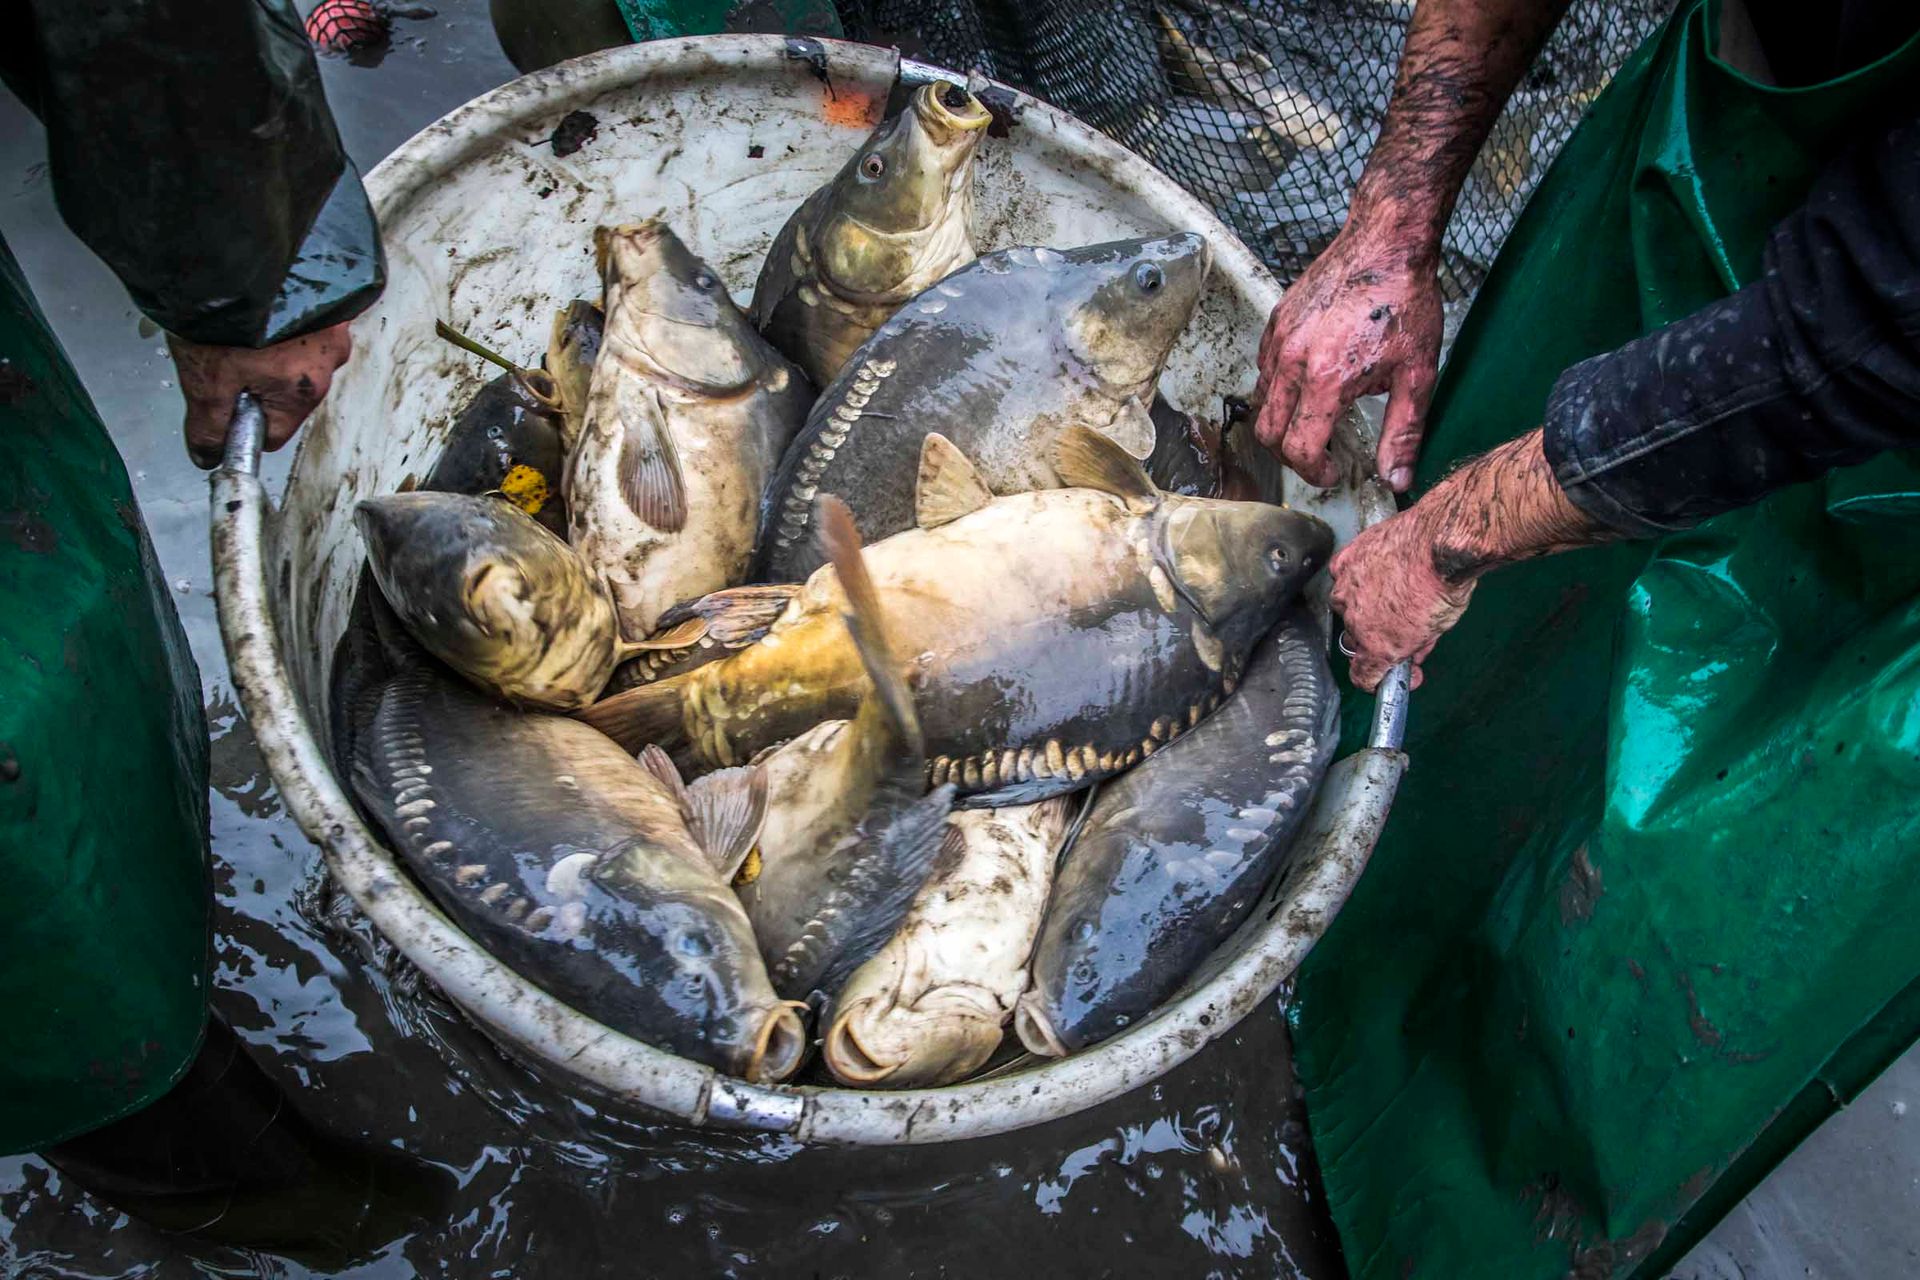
{"x":1645,"y":900}
{"x":104,"y":924}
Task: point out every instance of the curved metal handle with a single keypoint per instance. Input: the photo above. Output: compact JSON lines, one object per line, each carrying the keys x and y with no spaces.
{"x":1391,"y":699}
{"x":246,"y":436}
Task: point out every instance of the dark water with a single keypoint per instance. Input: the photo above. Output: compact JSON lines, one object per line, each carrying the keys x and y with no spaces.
{"x":1205,"y":1173}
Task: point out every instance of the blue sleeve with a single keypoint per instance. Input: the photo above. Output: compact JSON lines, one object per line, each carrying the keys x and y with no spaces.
{"x":1815,"y":365}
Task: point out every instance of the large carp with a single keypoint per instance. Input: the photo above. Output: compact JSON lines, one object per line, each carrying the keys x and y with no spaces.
{"x":1052,"y":638}
{"x":1001,"y":358}
{"x":507,"y":441}
{"x":1174,"y":855}
{"x":493,"y":595}
{"x":851,"y":831}
{"x":892,"y":222}
{"x":598,"y":878}
{"x":688,"y":412}
{"x":928,"y":1008}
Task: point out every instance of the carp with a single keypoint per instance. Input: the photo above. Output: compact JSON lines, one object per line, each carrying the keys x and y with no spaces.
{"x":891,"y":223}
{"x":688,"y":412}
{"x":1001,"y":358}
{"x":507,"y":441}
{"x":851,"y":831}
{"x":599,"y":878}
{"x":929,"y":1007}
{"x":494,"y":595}
{"x":572,"y":348}
{"x":1174,"y":855}
{"x":1053,"y":638}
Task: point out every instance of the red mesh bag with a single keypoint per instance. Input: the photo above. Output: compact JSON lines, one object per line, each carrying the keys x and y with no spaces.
{"x":341,"y":26}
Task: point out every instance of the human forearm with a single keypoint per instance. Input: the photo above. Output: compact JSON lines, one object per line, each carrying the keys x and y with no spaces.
{"x":1500,"y":508}
{"x":1461,"y":61}
{"x":1365,"y":318}
{"x":1402,"y":584}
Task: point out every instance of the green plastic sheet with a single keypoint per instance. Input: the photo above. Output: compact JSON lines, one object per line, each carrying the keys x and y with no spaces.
{"x":667,"y":19}
{"x":1642,"y":914}
{"x":105,"y":922}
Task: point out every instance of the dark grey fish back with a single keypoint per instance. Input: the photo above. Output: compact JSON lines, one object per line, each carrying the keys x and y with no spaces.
{"x":949,"y":361}
{"x":1175,"y":854}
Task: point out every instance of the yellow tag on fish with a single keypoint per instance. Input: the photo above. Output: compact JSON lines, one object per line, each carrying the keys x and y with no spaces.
{"x":749,"y":869}
{"x":525,"y":488}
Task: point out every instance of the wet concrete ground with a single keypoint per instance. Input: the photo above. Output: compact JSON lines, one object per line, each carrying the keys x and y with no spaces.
{"x":1209,"y":1172}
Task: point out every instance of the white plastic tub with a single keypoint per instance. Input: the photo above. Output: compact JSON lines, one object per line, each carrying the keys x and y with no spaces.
{"x":486,"y":227}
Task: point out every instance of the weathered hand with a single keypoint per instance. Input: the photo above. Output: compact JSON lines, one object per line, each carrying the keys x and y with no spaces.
{"x":1394,"y":602}
{"x":288,"y":378}
{"x":1363,"y":318}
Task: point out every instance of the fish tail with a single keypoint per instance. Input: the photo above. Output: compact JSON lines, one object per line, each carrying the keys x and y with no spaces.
{"x":840,"y":543}
{"x":647,"y":715}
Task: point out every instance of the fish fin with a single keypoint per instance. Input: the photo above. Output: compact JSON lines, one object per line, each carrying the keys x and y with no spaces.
{"x":725,"y":810}
{"x":738,"y":616}
{"x":1132,"y":428}
{"x":646,"y":714}
{"x":1051,"y":818}
{"x":896,"y":865}
{"x":678,"y":636}
{"x":1086,"y":459}
{"x":660,"y":765}
{"x":840,"y":543}
{"x":949,"y":486}
{"x":651,"y":483}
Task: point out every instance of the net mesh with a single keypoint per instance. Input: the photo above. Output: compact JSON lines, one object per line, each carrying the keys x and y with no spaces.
{"x":1266,"y":109}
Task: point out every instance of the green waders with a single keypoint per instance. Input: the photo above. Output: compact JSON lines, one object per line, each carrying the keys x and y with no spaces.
{"x":1643,"y":914}
{"x":104,"y":923}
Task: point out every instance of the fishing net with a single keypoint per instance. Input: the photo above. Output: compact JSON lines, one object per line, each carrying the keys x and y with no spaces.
{"x":1266,"y":109}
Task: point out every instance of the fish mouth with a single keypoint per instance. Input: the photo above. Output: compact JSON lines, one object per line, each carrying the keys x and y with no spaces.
{"x":850,"y":1060}
{"x":1035,"y":1031}
{"x":949,"y":109}
{"x":778,"y":1048}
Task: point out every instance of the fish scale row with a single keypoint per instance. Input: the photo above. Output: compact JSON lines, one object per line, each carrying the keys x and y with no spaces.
{"x":797,"y":510}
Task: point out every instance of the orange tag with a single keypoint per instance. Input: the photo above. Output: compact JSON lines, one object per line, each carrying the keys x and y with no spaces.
{"x":851,"y":107}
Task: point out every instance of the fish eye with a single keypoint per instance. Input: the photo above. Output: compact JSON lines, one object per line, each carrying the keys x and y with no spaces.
{"x":1148,"y":278}
{"x":1278,"y":559}
{"x":705,"y":282}
{"x":694,"y":943}
{"x":873,"y":166}
{"x":1083,"y":931}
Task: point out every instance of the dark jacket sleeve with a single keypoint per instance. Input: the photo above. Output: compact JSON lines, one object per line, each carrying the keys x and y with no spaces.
{"x":1814,"y":365}
{"x":192,"y":149}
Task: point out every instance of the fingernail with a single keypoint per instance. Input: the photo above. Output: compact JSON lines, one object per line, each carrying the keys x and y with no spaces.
{"x":1401,"y":478}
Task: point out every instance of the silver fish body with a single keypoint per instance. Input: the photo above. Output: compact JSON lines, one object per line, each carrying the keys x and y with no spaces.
{"x":492,"y":594}
{"x":688,"y":412}
{"x":1175,"y":854}
{"x":929,"y":1007}
{"x":575,"y":865}
{"x":894,"y":220}
{"x":1001,"y":357}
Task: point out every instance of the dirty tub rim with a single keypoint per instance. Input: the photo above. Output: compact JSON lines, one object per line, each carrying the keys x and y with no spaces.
{"x":1350,"y":811}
